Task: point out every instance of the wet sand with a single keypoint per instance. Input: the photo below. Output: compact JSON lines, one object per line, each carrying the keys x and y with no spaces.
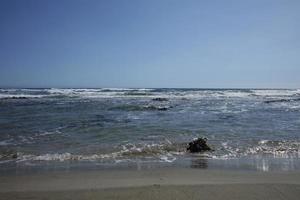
{"x":152,"y":184}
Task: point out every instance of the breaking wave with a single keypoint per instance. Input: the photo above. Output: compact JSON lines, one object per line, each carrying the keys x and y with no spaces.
{"x":166,"y":152}
{"x":159,"y":152}
{"x":276,"y":93}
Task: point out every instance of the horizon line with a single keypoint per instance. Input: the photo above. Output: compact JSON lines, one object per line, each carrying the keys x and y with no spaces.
{"x":202,"y":88}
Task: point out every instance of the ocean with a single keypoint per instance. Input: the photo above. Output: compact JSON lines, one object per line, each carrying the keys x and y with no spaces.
{"x":74,"y":128}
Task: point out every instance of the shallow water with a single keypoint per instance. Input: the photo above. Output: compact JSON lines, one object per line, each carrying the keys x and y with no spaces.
{"x":114,"y":126}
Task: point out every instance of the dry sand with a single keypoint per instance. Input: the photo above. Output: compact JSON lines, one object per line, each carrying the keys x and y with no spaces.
{"x":152,"y":184}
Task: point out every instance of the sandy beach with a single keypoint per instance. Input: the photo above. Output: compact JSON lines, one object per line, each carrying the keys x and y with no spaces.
{"x":152,"y":184}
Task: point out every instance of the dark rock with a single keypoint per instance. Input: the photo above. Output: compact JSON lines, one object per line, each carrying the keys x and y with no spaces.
{"x":198,"y":145}
{"x":281,"y":100}
{"x":161,"y":108}
{"x":19,"y":98}
{"x":160,"y":99}
{"x":278,"y":101}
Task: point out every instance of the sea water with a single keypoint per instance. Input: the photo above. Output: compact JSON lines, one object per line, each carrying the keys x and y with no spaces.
{"x":108,"y":127}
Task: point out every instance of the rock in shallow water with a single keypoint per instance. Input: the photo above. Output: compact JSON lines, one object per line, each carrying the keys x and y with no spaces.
{"x":198,"y":145}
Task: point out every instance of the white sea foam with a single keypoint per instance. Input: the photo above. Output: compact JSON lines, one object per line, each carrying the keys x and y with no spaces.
{"x":236,"y":94}
{"x":203,"y":94}
{"x":59,"y":91}
{"x":51,"y":157}
{"x":165,"y":153}
{"x":167,"y":158}
{"x":68,"y":156}
{"x":46,"y":133}
{"x":97,"y":93}
{"x":275,"y":148}
{"x":275,"y":93}
{"x":263,"y":142}
{"x":128,"y":151}
{"x":126,"y":89}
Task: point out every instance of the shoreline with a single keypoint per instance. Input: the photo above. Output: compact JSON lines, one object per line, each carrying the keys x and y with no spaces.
{"x":152,"y":184}
{"x":251,"y":164}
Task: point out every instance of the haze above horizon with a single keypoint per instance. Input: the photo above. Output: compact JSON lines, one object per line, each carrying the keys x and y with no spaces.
{"x":150,"y":44}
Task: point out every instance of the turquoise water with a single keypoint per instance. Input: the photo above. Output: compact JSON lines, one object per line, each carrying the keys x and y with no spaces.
{"x":113,"y":126}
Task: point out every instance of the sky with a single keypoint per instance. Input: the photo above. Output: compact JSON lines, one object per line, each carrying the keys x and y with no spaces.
{"x":150,"y":43}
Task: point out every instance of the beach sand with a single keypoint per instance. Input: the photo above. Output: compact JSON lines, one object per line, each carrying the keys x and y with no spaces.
{"x":152,"y":184}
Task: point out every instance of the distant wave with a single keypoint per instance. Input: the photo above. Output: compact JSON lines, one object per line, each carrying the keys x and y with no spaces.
{"x":144,"y":93}
{"x":276,"y":93}
{"x":126,"y":89}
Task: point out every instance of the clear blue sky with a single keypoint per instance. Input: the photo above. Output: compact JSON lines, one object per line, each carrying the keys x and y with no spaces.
{"x":150,"y":43}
